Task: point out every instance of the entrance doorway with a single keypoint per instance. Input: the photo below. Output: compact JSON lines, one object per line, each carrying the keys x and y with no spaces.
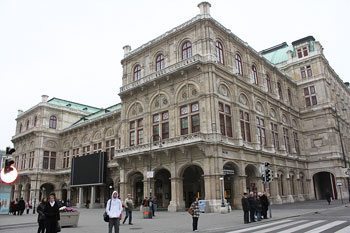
{"x":162,"y":188}
{"x":136,"y":181}
{"x":324,"y":182}
{"x":230,"y":172}
{"x":193,"y":184}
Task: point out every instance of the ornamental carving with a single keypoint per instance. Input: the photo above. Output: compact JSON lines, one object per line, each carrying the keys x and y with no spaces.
{"x":109,"y":132}
{"x":136,"y":109}
{"x":187,"y":92}
{"x":160,"y":101}
{"x":259,"y":107}
{"x":284,"y":119}
{"x":243,"y":99}
{"x":273,"y":113}
{"x":223,"y":90}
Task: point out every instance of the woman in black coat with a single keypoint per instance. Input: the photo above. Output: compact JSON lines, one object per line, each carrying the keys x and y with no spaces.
{"x":52,"y":214}
{"x":41,"y":215}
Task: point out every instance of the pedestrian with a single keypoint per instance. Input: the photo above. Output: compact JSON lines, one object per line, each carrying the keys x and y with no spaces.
{"x":252,"y":206}
{"x":258,"y":207}
{"x":129,"y":205}
{"x":265,"y":205}
{"x":52,"y":214}
{"x":41,"y":216}
{"x":194,"y":209}
{"x":328,"y":197}
{"x":21,"y":206}
{"x":27,"y":207}
{"x":154,"y":205}
{"x":114,"y":210}
{"x":245,"y":207}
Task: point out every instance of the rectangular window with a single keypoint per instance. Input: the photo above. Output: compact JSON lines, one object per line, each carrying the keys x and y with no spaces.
{"x":53,"y":161}
{"x":98,"y":147}
{"x":189,"y":120}
{"x":136,"y":132}
{"x":286,"y":139}
{"x":66,"y":159}
{"x":76,"y":152}
{"x":302,"y":72}
{"x":296,"y":142}
{"x":24,"y":161}
{"x":245,"y":126}
{"x":261,"y":131}
{"x":300,"y":54}
{"x":309,"y":71}
{"x":310,"y":96}
{"x":46,"y":160}
{"x":31,"y":160}
{"x":274,"y":132}
{"x":305,"y":51}
{"x":161,"y":126}
{"x":225,"y":119}
{"x":290,"y":97}
{"x":110,"y":148}
{"x":86,"y":150}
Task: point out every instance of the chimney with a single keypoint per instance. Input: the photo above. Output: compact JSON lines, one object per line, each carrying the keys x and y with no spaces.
{"x":127,"y":49}
{"x":204,"y":8}
{"x":347,"y":84}
{"x":44,"y":98}
{"x":19,"y":112}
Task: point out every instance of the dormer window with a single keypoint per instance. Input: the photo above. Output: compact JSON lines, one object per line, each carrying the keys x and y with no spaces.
{"x":137,"y":72}
{"x":160,"y":62}
{"x":186,"y":50}
{"x":302,"y":52}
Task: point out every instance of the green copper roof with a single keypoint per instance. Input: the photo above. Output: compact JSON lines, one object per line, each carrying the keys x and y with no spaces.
{"x":73,"y":105}
{"x":99,"y":113}
{"x":277,"y":54}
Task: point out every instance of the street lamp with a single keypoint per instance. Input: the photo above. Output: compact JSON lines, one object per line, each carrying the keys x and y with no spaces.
{"x":222,"y":191}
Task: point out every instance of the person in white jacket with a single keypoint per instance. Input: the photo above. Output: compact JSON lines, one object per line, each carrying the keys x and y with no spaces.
{"x":114,"y":210}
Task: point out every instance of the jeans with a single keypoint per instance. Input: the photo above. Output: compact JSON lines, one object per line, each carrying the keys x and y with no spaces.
{"x":194,"y":223}
{"x":128,"y":213}
{"x":113,"y":222}
{"x":258,"y":215}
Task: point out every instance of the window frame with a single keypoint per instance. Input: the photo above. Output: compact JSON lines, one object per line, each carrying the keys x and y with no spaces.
{"x":219,"y":48}
{"x":137,"y":72}
{"x":244,"y":118}
{"x":189,"y":118}
{"x":239,"y":64}
{"x":255,"y":75}
{"x":225,"y":119}
{"x":160,"y":62}
{"x":261,"y":130}
{"x":186,"y":50}
{"x":53,"y":122}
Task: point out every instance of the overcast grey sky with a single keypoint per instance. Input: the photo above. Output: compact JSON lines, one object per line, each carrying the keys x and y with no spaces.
{"x":71,"y":49}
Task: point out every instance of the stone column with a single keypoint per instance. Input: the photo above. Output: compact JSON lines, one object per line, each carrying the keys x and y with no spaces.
{"x":275,"y":195}
{"x":93,"y":197}
{"x":240,"y":186}
{"x":80,"y":197}
{"x":68,"y":194}
{"x":177,"y":202}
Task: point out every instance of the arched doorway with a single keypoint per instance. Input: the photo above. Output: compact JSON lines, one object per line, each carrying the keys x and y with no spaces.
{"x":45,"y":190}
{"x":162,"y":188}
{"x":231,"y":193}
{"x":64,"y":192}
{"x":252,"y":179}
{"x":193,"y":184}
{"x":136,"y":182}
{"x":324,"y":182}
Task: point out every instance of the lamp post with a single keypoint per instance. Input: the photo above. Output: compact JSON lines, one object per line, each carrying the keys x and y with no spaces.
{"x":342,"y":146}
{"x":222,"y":191}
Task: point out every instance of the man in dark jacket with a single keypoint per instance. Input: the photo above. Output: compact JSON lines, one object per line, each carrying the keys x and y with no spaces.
{"x":265,"y":205}
{"x":252,"y":206}
{"x":52,"y":214}
{"x":21,"y":206}
{"x":245,"y":206}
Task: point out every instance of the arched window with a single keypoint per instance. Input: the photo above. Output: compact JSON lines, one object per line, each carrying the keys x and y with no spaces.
{"x":255,"y":75}
{"x":53,"y":122}
{"x":20,"y":128}
{"x":160,"y":62}
{"x":268,"y":83}
{"x":35,"y":120}
{"x":186,"y":50}
{"x":27,"y":124}
{"x":219,"y":52}
{"x":137,"y":72}
{"x":239,"y":66}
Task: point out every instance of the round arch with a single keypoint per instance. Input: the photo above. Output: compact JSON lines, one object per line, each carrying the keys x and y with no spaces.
{"x":193,"y":183}
{"x":324,"y":182}
{"x":135,"y":186}
{"x":252,"y":178}
{"x":162,"y":187}
{"x":232,"y":192}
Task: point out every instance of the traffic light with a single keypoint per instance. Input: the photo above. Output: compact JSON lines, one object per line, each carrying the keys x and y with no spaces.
{"x":268,"y":175}
{"x":9,"y":173}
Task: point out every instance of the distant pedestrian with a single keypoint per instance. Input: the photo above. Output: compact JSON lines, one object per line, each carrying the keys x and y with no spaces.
{"x":252,"y":206}
{"x":21,"y":206}
{"x":328,"y":197}
{"x":245,"y":207}
{"x":41,"y":216}
{"x":52,"y":214}
{"x":129,"y":205}
{"x":154,"y":205}
{"x":114,"y":210}
{"x":258,"y":207}
{"x":27,"y":207}
{"x":194,"y":209}
{"x":265,"y":205}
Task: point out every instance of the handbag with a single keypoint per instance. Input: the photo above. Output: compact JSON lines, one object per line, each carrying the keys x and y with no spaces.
{"x":105,"y":215}
{"x":190,"y":211}
{"x":58,"y":227}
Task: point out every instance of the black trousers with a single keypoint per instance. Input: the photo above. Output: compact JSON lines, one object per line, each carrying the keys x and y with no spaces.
{"x":41,"y":228}
{"x":252,"y":215}
{"x":195,"y":223}
{"x":264,"y":212}
{"x":51,"y":226}
{"x":246,"y":216}
{"x":128,"y":214}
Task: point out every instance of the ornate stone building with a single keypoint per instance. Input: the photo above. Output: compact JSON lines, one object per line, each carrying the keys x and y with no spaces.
{"x":199,"y":109}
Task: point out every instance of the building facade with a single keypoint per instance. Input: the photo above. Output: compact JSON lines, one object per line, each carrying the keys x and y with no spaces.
{"x":201,"y":112}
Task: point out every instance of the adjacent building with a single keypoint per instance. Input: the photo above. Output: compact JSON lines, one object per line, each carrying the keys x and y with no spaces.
{"x":199,"y":109}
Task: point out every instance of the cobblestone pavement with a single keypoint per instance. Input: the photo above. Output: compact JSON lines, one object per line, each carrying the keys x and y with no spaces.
{"x":91,"y":220}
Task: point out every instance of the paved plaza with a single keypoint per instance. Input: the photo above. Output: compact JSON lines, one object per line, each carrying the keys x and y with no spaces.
{"x":165,"y":222}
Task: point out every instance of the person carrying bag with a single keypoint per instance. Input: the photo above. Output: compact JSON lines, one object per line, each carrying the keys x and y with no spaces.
{"x":114,"y":210}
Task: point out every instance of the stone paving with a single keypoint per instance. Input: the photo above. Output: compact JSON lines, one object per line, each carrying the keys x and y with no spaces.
{"x":165,"y":222}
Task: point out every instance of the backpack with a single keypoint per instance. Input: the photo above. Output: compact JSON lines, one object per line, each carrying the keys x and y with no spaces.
{"x":105,"y":215}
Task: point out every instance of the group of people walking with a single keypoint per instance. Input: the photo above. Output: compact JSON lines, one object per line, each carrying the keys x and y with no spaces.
{"x":17,"y":207}
{"x":255,"y":207}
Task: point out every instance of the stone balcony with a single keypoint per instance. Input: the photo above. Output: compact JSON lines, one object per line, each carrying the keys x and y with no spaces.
{"x":196,"y":59}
